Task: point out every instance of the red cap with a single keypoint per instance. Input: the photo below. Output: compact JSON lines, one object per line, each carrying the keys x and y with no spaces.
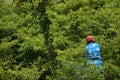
{"x":89,"y":39}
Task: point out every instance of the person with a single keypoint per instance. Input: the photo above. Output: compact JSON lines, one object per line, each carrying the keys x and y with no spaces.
{"x":92,"y":50}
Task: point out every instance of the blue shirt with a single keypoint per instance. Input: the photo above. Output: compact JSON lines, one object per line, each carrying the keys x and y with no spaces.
{"x":93,"y":52}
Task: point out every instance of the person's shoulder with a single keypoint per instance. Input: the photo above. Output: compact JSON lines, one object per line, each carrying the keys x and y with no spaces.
{"x":97,"y":44}
{"x":86,"y":47}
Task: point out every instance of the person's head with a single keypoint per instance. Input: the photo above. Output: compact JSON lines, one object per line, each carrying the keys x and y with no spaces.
{"x":89,"y":39}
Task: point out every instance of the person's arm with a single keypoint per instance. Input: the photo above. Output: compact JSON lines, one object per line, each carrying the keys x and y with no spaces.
{"x":85,"y":53}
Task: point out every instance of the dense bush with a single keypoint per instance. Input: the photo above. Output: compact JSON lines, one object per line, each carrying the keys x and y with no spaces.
{"x":45,"y":39}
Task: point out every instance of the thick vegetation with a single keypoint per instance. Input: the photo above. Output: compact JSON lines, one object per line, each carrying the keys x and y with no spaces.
{"x":45,"y":39}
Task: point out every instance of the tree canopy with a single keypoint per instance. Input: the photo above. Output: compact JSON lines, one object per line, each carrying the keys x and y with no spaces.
{"x":45,"y":39}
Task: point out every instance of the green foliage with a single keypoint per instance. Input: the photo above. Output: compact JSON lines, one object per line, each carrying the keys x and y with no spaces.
{"x":44,"y":39}
{"x":72,"y":67}
{"x":112,"y":70}
{"x":24,"y":74}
